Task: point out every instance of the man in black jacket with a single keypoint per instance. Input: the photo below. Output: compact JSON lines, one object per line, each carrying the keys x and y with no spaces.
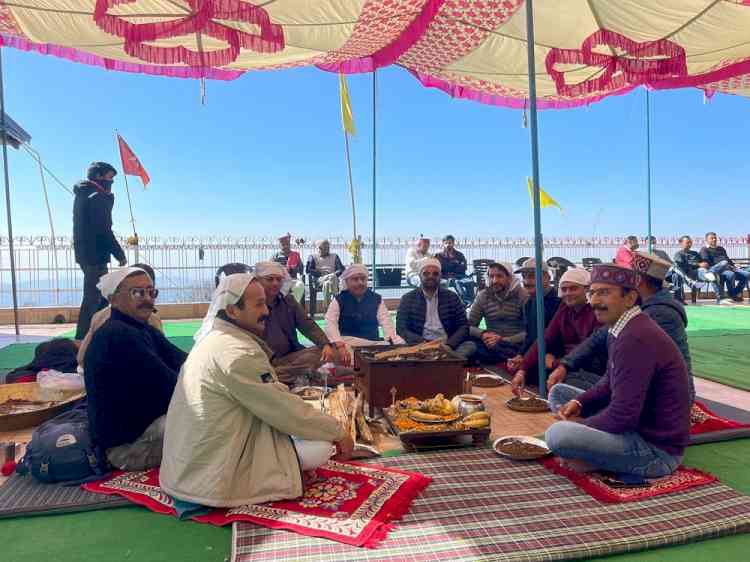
{"x":453,"y":264}
{"x":130,"y":374}
{"x":721,"y":265}
{"x":93,"y":239}
{"x":433,"y":312}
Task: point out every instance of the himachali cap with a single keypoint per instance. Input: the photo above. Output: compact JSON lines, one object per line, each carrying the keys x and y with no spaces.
{"x":651,"y":265}
{"x":529,"y":266}
{"x":611,"y":274}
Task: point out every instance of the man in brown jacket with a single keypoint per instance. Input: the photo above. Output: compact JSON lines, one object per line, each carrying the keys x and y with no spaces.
{"x":234,"y":434}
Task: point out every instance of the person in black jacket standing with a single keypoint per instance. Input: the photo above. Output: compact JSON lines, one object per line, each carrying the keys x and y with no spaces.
{"x":93,"y":239}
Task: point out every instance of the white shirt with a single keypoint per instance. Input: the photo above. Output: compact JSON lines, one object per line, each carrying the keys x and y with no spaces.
{"x":413,"y":257}
{"x":333,"y":313}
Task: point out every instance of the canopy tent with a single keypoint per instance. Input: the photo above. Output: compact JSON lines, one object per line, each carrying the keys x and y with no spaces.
{"x":475,"y":49}
{"x":552,"y":54}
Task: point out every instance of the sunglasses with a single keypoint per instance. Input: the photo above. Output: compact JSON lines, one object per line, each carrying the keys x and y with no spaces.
{"x":140,"y":293}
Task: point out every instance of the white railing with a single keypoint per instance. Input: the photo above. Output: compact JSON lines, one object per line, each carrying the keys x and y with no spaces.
{"x":185,"y":266}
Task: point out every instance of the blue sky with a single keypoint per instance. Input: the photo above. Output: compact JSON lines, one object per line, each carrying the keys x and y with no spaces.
{"x":265,"y":155}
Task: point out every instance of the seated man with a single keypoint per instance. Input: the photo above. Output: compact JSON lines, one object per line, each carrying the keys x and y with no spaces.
{"x":131,"y":370}
{"x":720,"y":265}
{"x":501,"y":306}
{"x":657,"y":303}
{"x":453,"y":264}
{"x":356,"y":313}
{"x":103,"y":315}
{"x":432,"y":312}
{"x":414,"y":256}
{"x":573,"y":323}
{"x":290,"y":358}
{"x":235,"y":435}
{"x":324,"y":269}
{"x":551,"y":304}
{"x":292,"y":261}
{"x":636,"y":420}
{"x":624,"y":256}
{"x":688,"y":267}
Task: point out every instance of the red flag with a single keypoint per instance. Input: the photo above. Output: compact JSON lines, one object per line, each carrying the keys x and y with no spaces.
{"x":130,"y":163}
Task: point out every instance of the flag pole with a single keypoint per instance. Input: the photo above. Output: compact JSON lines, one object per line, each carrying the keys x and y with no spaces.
{"x":7,"y":199}
{"x":351,"y":184}
{"x":374,"y":180}
{"x":538,"y":246}
{"x":648,"y":165}
{"x":127,"y":190}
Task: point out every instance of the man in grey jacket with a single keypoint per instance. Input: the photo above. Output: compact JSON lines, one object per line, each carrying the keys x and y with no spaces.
{"x":501,"y":306}
{"x":657,"y":302}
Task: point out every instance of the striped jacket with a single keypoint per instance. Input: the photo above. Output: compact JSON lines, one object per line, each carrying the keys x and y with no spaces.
{"x":503,"y":314}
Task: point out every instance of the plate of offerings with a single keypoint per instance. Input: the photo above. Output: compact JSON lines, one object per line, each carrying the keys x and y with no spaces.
{"x":487,"y":380}
{"x":309,"y":392}
{"x":532,"y":404}
{"x":521,"y":448}
{"x":436,"y":423}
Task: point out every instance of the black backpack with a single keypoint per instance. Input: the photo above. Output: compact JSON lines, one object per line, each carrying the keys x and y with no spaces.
{"x":61,"y":450}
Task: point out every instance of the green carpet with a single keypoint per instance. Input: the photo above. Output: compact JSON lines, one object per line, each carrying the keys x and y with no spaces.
{"x":135,"y":534}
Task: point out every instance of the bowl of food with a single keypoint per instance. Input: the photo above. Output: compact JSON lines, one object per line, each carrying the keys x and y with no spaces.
{"x":531,"y":404}
{"x":521,"y":448}
{"x":309,"y":392}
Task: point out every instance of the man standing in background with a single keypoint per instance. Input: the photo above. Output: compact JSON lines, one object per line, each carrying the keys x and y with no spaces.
{"x":93,"y":239}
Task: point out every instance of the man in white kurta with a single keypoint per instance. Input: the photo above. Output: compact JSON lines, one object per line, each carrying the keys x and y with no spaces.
{"x":234,"y":434}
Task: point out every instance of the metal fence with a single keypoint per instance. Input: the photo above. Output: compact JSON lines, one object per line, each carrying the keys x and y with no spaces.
{"x":47,"y":274}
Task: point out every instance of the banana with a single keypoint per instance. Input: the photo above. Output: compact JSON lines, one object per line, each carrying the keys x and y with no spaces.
{"x":421,"y":416}
{"x":477,"y":416}
{"x":476,"y":423}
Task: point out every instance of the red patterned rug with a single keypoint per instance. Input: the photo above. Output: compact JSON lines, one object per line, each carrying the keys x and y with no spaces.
{"x":350,"y":503}
{"x":593,"y":483}
{"x":703,"y":420}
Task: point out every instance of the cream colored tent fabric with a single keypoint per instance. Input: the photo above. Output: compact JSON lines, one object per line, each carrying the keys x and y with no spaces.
{"x":473,"y":49}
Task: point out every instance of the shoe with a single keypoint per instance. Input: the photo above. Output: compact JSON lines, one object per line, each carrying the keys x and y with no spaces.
{"x":737,"y":299}
{"x":710,"y":276}
{"x":726,"y":301}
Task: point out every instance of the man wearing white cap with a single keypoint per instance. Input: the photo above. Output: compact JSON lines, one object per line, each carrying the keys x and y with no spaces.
{"x":103,"y":315}
{"x":324,"y":268}
{"x":414,"y":257}
{"x":551,"y":304}
{"x":356,"y":313}
{"x":235,"y":435}
{"x":573,"y":323}
{"x":286,"y":316}
{"x":131,"y":370}
{"x":292,"y":261}
{"x":433,"y":312}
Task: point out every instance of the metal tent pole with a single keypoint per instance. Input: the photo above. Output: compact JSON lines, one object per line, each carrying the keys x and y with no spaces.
{"x":648,"y":164}
{"x":7,"y":199}
{"x":374,"y":179}
{"x":538,"y":245}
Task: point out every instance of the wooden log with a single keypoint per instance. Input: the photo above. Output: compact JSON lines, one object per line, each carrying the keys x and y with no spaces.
{"x":411,"y":350}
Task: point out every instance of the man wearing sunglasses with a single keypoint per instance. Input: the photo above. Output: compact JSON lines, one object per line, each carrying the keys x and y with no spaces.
{"x":131,"y":371}
{"x":98,"y":320}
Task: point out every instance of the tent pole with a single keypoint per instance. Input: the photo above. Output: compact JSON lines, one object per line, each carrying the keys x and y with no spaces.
{"x":7,"y":199}
{"x":374,"y":180}
{"x":648,"y":164}
{"x":538,"y":245}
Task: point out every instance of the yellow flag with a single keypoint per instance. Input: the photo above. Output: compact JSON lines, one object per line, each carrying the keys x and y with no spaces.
{"x":544,"y":197}
{"x":347,"y":119}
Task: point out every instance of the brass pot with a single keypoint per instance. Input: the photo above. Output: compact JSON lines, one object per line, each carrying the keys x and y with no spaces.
{"x":467,"y":404}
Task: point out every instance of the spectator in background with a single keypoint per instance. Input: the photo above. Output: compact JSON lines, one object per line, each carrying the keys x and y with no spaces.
{"x":325,"y":268}
{"x":454,"y":266}
{"x":93,"y":239}
{"x":292,"y":261}
{"x":414,"y":257}
{"x":625,"y":253}
{"x":721,"y":265}
{"x":688,"y":268}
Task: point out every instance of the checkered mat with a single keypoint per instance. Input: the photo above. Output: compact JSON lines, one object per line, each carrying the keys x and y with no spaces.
{"x":22,"y":496}
{"x":482,"y":507}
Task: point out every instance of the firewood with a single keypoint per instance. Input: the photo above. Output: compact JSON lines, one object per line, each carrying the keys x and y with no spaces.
{"x":359,"y":415}
{"x":411,"y":350}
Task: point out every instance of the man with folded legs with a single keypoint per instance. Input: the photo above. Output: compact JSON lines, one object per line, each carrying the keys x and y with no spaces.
{"x":636,"y":420}
{"x":234,"y":434}
{"x":721,"y":265}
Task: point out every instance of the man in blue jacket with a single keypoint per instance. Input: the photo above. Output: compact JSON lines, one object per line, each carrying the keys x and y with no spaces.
{"x":93,"y":239}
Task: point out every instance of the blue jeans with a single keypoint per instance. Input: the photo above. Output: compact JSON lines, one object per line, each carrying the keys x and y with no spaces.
{"x":718,"y":285}
{"x":561,"y":394}
{"x":625,"y":453}
{"x":463,"y":286}
{"x":736,"y":282}
{"x":476,"y":348}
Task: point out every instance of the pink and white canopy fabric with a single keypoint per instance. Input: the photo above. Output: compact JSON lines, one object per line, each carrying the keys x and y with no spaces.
{"x":473,"y":49}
